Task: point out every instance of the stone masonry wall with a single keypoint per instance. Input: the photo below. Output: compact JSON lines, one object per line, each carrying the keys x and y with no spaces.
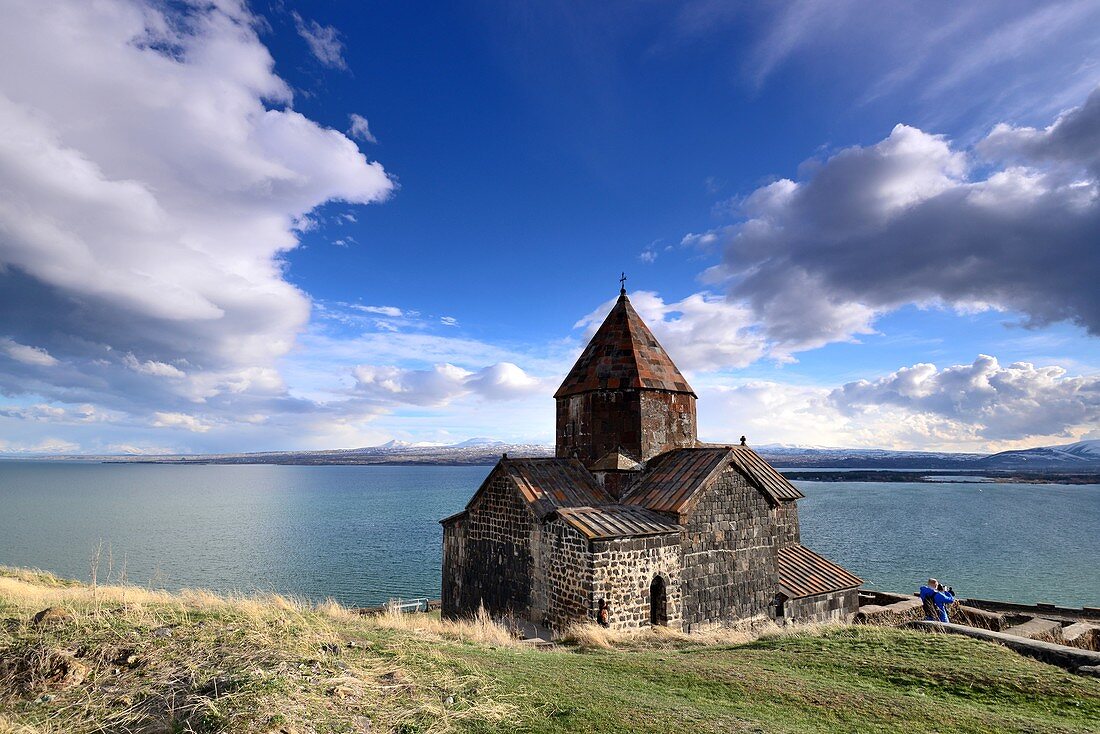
{"x":595,"y":423}
{"x":786,"y":516}
{"x":568,"y":568}
{"x":623,"y":569}
{"x":730,"y":540}
{"x":641,"y":423}
{"x":837,"y":606}
{"x":454,"y":561}
{"x":668,"y":422}
{"x":496,"y":568}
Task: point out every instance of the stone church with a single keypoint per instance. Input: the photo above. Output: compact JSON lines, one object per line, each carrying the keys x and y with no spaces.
{"x":636,"y":511}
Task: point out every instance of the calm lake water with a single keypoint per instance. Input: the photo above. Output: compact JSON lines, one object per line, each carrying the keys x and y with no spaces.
{"x":368,"y":533}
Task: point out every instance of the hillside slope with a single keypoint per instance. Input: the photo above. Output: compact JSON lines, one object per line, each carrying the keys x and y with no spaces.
{"x":128,"y":659}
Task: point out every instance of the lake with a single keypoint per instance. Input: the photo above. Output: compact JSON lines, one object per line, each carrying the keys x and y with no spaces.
{"x":364,"y":534}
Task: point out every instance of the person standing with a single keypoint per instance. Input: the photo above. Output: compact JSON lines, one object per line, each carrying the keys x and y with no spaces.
{"x":936,"y":599}
{"x":603,"y":613}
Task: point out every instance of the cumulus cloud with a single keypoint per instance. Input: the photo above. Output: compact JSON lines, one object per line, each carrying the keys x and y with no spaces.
{"x":27,"y":354}
{"x":443,"y":383}
{"x":180,"y":420}
{"x":360,"y":128}
{"x":323,"y":41}
{"x":983,"y":406}
{"x":998,"y":403}
{"x":141,"y":246}
{"x":1011,"y":224}
{"x":150,"y":367}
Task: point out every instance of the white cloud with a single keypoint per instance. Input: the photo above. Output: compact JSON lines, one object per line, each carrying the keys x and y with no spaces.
{"x":959,"y":60}
{"x":998,"y":403}
{"x":26,"y":354}
{"x":180,"y":420}
{"x":979,"y":407}
{"x":153,"y":368}
{"x":144,"y":239}
{"x":443,"y":383}
{"x":360,"y":128}
{"x":393,"y":311}
{"x":323,"y":41}
{"x":914,"y":220}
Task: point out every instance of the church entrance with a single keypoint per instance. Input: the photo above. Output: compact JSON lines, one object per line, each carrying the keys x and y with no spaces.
{"x":658,"y":606}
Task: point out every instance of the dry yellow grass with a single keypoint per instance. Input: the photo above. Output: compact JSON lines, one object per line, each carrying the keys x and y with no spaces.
{"x":592,"y":636}
{"x":481,"y":628}
{"x":124,"y":658}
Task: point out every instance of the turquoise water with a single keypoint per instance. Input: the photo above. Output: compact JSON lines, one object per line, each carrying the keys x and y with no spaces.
{"x":365,"y":534}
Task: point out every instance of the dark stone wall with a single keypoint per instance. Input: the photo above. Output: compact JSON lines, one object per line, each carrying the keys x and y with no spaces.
{"x":488,"y":561}
{"x":668,"y":422}
{"x":623,"y":569}
{"x":641,"y":423}
{"x":836,"y":606}
{"x":730,"y":541}
{"x":567,"y":565}
{"x":786,"y":516}
{"x":454,"y":561}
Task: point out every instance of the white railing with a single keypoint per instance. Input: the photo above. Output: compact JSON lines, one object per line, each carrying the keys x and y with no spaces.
{"x":408,"y":605}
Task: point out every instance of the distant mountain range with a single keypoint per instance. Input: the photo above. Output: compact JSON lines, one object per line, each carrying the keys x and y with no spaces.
{"x":1082,"y":456}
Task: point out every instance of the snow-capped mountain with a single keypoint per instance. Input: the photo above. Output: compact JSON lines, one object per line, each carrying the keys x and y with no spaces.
{"x":1079,"y":455}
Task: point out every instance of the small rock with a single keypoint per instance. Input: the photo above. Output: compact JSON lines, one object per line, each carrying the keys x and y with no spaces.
{"x":162,"y":632}
{"x":362,"y":723}
{"x":51,"y":615}
{"x":449,"y":701}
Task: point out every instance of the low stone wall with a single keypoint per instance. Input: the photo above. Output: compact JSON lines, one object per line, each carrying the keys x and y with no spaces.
{"x":891,"y":615}
{"x":1036,"y":628}
{"x":836,"y":606}
{"x":1084,"y":635}
{"x":1070,"y":658}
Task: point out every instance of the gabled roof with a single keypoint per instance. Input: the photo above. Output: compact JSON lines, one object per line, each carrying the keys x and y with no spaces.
{"x":547,"y":484}
{"x":774,"y":484}
{"x":616,"y":521}
{"x":673,"y":479}
{"x":804,"y":573}
{"x":623,"y":354}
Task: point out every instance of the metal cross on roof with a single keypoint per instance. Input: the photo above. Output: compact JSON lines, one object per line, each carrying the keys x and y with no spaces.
{"x":622,"y":285}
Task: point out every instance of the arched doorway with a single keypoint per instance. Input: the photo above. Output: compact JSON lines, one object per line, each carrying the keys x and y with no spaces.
{"x":658,"y":603}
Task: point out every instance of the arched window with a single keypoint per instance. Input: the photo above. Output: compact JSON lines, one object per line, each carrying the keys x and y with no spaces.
{"x":658,"y":602}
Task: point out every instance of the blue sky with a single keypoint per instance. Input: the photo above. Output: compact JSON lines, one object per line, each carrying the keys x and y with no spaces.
{"x":274,"y":225}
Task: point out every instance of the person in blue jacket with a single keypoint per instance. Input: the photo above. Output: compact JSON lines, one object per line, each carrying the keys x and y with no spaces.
{"x":936,"y":599}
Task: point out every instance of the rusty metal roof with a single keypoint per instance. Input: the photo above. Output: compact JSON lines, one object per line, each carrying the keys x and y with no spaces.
{"x":555,"y":482}
{"x":616,"y":521}
{"x":804,"y":573}
{"x":672,"y":479}
{"x":774,"y":484}
{"x":623,"y":354}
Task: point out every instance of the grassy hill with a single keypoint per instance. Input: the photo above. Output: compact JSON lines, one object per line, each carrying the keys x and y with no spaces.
{"x":126,"y":659}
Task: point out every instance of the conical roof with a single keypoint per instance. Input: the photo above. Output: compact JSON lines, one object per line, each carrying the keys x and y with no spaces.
{"x":623,"y":354}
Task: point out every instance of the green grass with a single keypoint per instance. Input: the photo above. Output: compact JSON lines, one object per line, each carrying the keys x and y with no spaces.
{"x":275,"y":665}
